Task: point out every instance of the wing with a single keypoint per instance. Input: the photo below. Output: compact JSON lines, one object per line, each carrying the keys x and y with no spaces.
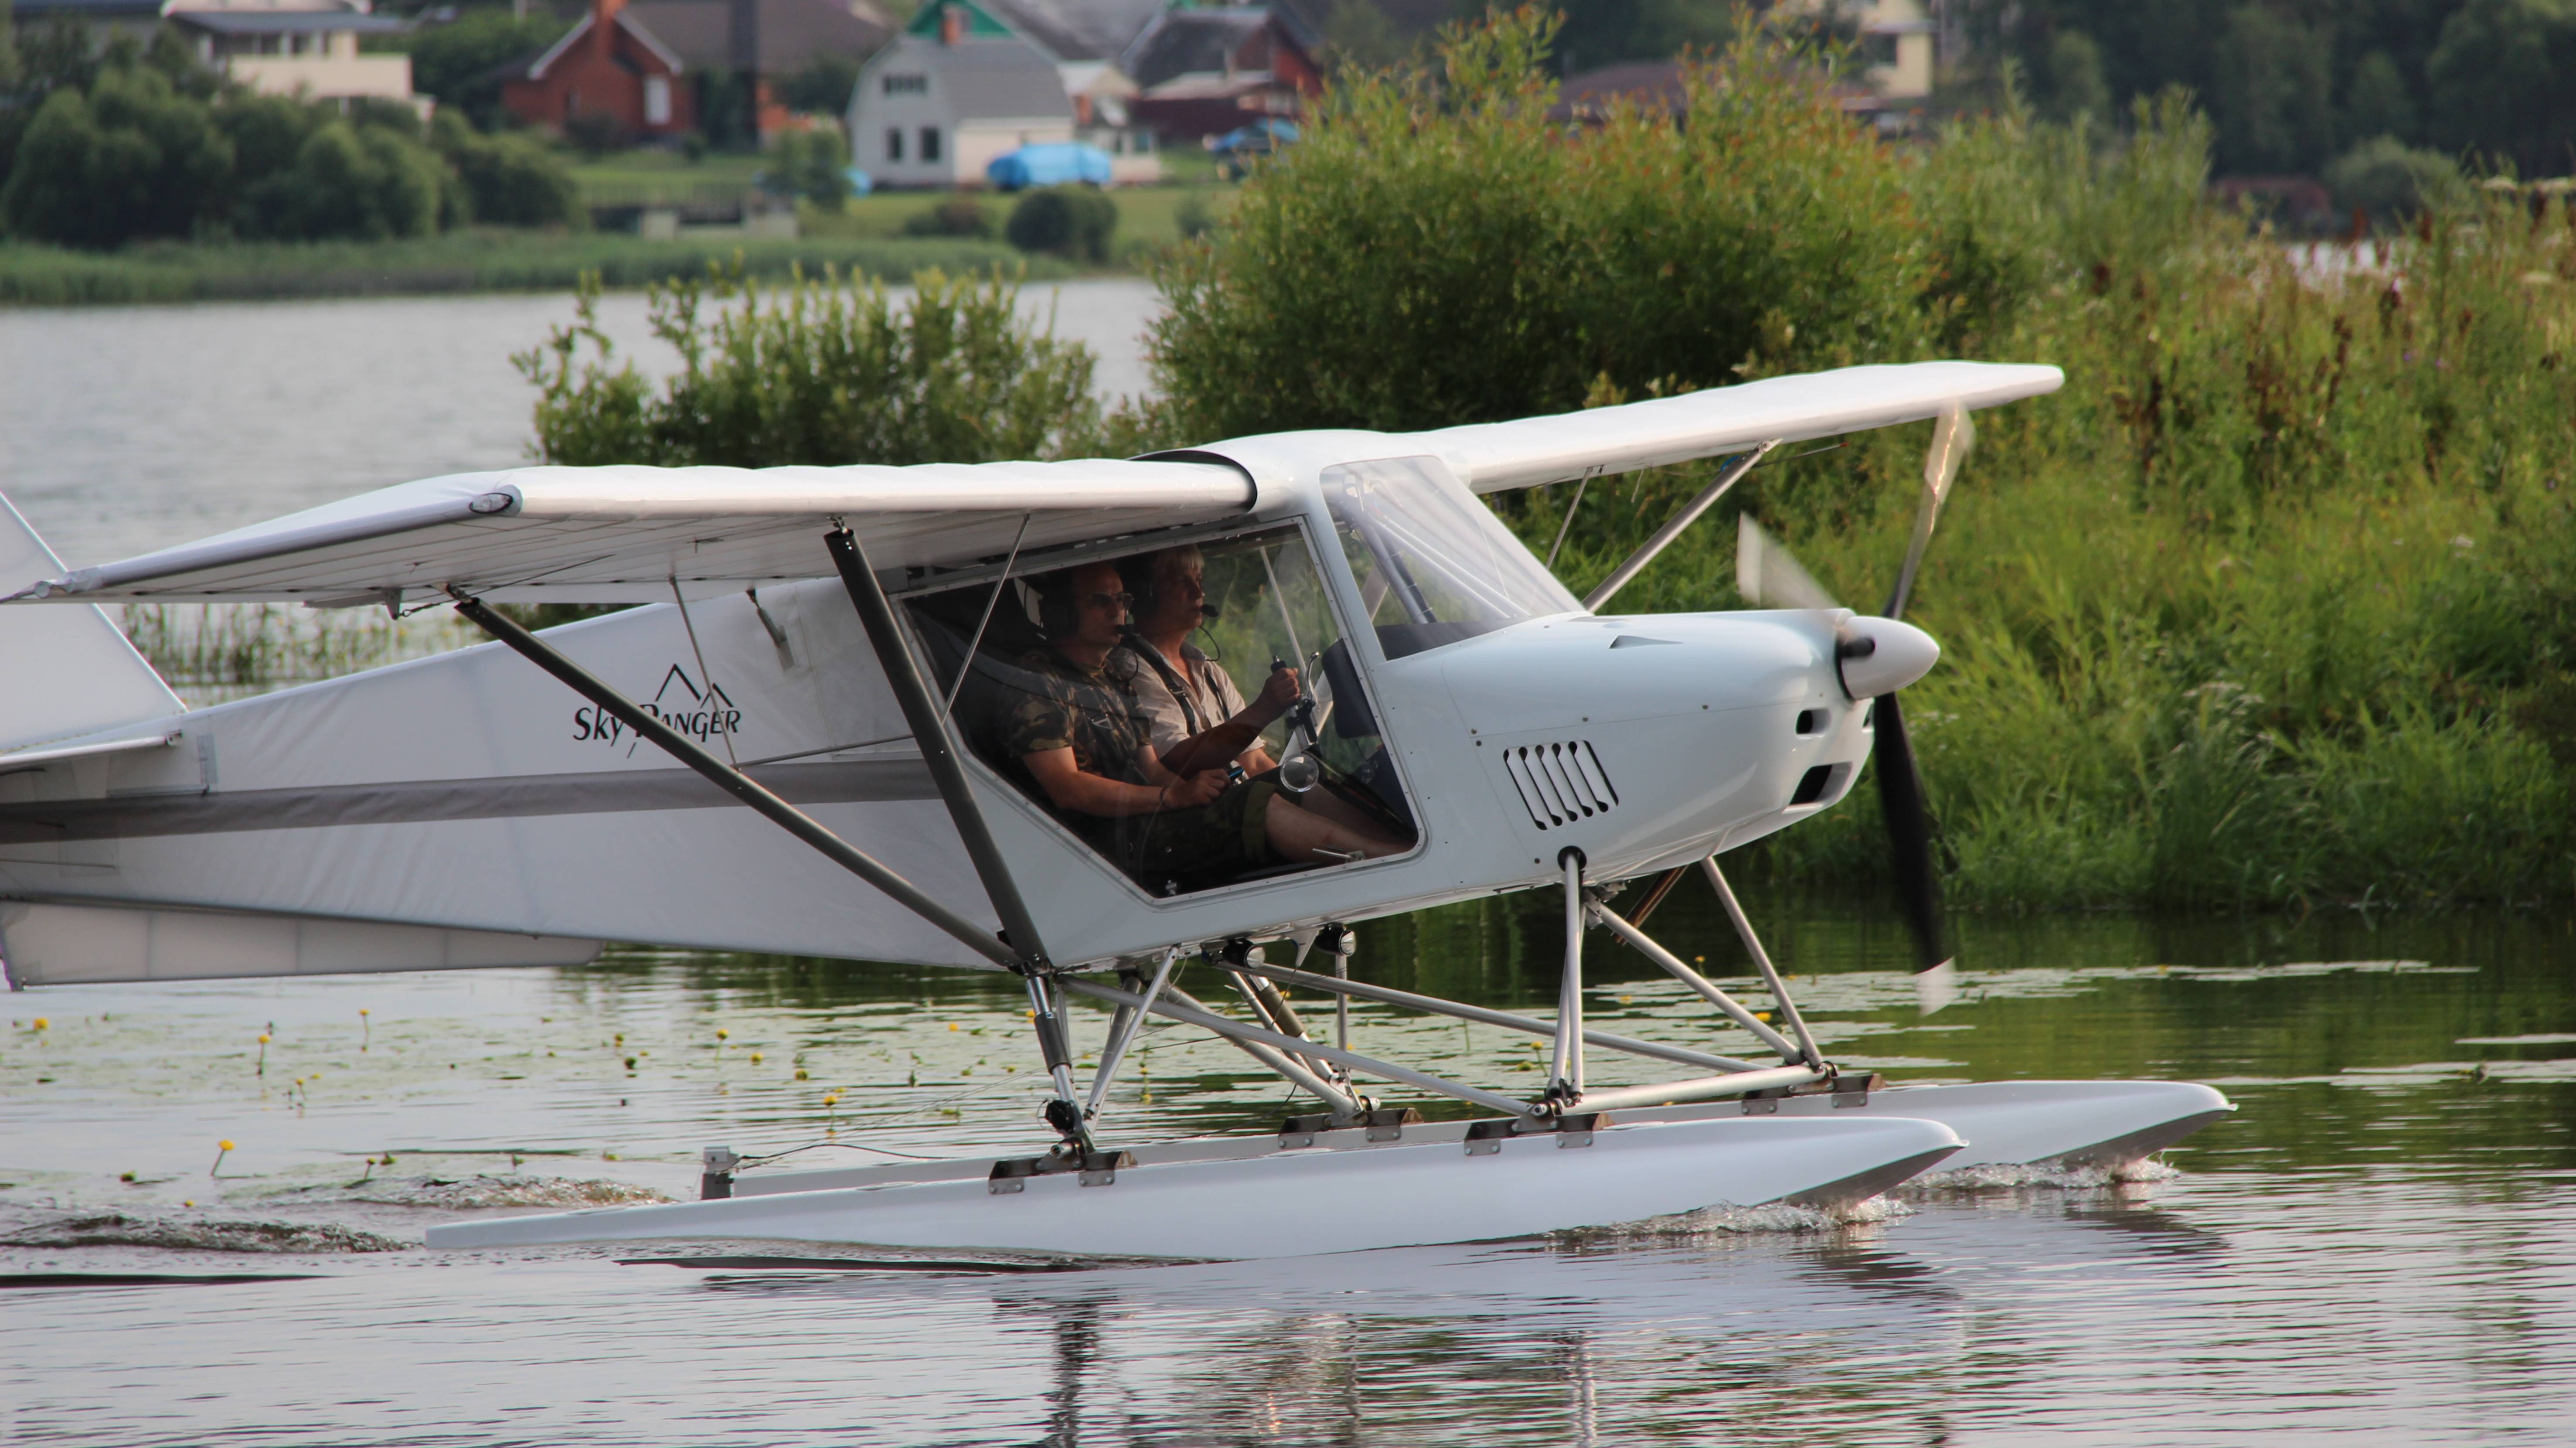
{"x":1495,"y":456}
{"x":625,"y":534}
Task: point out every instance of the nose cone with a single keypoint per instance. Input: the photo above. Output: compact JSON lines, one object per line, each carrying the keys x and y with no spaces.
{"x":1880,"y":655}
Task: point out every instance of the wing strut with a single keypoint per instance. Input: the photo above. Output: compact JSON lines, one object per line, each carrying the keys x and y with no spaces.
{"x":742,"y":786}
{"x":928,"y":720}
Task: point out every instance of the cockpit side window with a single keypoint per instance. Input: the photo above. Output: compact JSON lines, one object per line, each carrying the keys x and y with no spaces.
{"x":1433,"y":564}
{"x":1190,"y":712}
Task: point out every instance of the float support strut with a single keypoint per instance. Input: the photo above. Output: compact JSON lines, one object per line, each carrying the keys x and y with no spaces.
{"x":1762,"y":962}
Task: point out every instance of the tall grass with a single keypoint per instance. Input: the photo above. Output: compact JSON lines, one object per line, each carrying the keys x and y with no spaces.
{"x":486,"y":259}
{"x":216,"y":653}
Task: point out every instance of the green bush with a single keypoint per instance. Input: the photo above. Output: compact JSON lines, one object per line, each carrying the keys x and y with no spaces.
{"x":957,"y":216}
{"x":134,"y":158}
{"x":1437,"y":250}
{"x":812,"y":165}
{"x":365,"y":182}
{"x":820,"y":371}
{"x":2389,"y":179}
{"x":1068,"y":221}
{"x":513,"y":180}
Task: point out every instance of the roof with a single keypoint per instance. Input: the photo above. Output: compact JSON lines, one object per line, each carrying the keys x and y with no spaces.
{"x":536,"y":69}
{"x":286,"y":22}
{"x":27,"y":11}
{"x":792,"y":33}
{"x":982,"y":77}
{"x":1652,"y":86}
{"x":1184,"y":42}
{"x":1072,"y":30}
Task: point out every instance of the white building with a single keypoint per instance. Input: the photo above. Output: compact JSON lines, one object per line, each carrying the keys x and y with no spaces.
{"x":933,"y":110}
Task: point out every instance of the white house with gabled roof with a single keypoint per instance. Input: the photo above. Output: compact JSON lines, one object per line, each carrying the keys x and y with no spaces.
{"x":950,"y":94}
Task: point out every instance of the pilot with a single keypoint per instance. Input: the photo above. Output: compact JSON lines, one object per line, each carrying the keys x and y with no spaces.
{"x":1197,"y":715}
{"x":1080,"y":741}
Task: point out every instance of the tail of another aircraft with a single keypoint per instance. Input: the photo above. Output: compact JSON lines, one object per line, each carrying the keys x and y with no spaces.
{"x":65,"y":669}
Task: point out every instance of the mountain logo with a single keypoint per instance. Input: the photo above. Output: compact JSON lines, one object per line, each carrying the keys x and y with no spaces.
{"x":700,"y":713}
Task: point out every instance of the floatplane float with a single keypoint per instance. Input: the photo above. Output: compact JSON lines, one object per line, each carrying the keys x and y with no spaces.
{"x":828,"y":732}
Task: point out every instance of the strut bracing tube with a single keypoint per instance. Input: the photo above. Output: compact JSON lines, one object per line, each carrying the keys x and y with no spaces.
{"x":740,"y":785}
{"x":1673,"y":967}
{"x":1258,"y":1044}
{"x":1565,"y":1065}
{"x":1530,"y":1025}
{"x":1672,"y":529}
{"x":1762,"y":962}
{"x":1123,"y":1030}
{"x":1181,"y":1008}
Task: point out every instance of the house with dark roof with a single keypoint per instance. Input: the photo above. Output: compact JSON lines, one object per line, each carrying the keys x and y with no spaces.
{"x":607,"y":64}
{"x":1203,"y":72}
{"x":278,"y":47}
{"x":769,"y":40}
{"x":934,"y":109}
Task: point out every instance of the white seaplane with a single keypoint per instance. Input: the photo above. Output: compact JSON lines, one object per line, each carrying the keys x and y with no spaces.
{"x":806,"y":744}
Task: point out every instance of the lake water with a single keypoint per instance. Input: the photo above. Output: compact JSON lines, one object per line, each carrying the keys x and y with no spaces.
{"x":2381,"y":1246}
{"x":124,"y":429}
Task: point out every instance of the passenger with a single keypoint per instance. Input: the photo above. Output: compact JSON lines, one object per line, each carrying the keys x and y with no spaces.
{"x":1081,"y":742}
{"x":1197,"y":715}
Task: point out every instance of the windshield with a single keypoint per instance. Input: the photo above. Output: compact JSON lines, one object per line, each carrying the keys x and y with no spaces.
{"x":1434,"y":565}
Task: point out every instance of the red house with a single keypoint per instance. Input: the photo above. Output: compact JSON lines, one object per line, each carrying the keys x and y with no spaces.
{"x":609,"y":64}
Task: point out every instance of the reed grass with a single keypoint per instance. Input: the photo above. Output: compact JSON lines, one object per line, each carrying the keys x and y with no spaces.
{"x":477,"y":260}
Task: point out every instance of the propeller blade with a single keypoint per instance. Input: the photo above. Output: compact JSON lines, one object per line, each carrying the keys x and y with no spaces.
{"x":1908,"y":818}
{"x":1768,"y":577}
{"x":1952,"y":436}
{"x":1902,"y":806}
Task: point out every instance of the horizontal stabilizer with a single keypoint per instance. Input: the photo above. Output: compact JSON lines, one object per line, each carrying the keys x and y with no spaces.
{"x":70,"y":671}
{"x":55,"y":944}
{"x":1667,"y":430}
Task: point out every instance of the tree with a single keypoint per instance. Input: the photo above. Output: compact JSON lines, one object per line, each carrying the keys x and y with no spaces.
{"x":822,"y":88}
{"x":813,"y":164}
{"x":2272,"y":95}
{"x":2501,"y":83}
{"x":2388,"y":179}
{"x":2377,"y":103}
{"x":132,"y":159}
{"x":461,"y":62}
{"x":512,"y":180}
{"x":2075,"y":83}
{"x":365,"y":182}
{"x":1436,"y":251}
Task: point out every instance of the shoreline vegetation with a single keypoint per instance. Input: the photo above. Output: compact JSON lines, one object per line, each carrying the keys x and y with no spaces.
{"x":2272,"y":607}
{"x":479,"y":260}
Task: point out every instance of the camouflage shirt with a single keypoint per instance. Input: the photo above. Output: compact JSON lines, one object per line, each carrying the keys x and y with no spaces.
{"x":1064,"y":705}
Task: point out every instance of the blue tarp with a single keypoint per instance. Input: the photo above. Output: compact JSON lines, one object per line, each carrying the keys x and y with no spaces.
{"x":1056,"y":163}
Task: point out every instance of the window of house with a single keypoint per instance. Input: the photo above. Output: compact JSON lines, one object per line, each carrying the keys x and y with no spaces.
{"x":905,"y":85}
{"x":930,"y":143}
{"x":894,"y":143}
{"x":657,"y":100}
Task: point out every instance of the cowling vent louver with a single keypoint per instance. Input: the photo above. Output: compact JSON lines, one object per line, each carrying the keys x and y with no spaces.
{"x":1560,"y":783}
